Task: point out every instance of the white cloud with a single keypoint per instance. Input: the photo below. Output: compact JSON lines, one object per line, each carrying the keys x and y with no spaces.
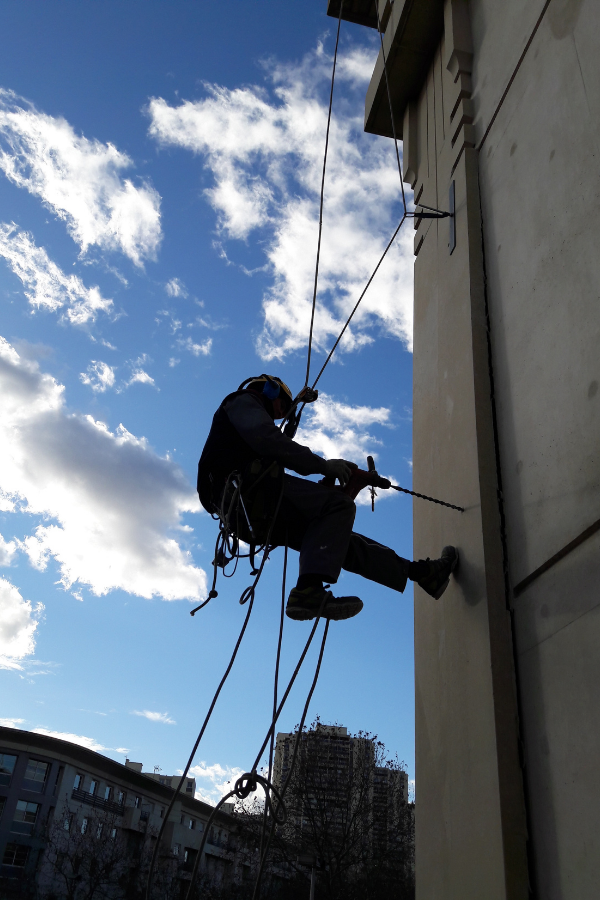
{"x":176,"y":288}
{"x":81,"y":739}
{"x":18,"y":622}
{"x":197,"y":349}
{"x":115,"y":503}
{"x":138,"y":376}
{"x":100,"y":376}
{"x":340,"y":431}
{"x":154,"y":716}
{"x":264,"y":151}
{"x":79,"y":180}
{"x":215,"y":781}
{"x":11,"y":723}
{"x":7,"y":551}
{"x":46,"y":285}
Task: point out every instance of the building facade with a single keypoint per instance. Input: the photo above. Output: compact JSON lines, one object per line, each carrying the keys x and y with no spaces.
{"x":333,"y":763}
{"x":60,"y":803}
{"x":498,"y":107}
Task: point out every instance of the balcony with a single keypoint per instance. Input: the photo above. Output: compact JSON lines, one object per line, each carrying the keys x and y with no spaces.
{"x":98,"y":802}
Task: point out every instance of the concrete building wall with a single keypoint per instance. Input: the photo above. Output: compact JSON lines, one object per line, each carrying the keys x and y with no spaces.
{"x":503,"y":99}
{"x":540,"y":187}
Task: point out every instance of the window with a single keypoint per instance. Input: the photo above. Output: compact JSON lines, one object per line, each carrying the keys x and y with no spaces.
{"x":84,"y":826}
{"x":2,"y":802}
{"x":67,"y":822}
{"x":15,"y":855}
{"x":113,"y":833}
{"x":182,"y":819}
{"x":176,"y":849}
{"x":99,"y":829}
{"x":25,"y":816}
{"x":162,"y":812}
{"x":108,"y":791}
{"x":189,"y":787}
{"x":161,"y":779}
{"x":7,"y":767}
{"x":121,"y":797}
{"x":93,"y":786}
{"x":35,"y":775}
{"x":77,"y":784}
{"x":191,"y":825}
{"x":58,"y":779}
{"x":138,"y":802}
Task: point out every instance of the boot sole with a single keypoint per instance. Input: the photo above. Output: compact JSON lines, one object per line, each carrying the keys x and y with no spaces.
{"x":337,"y":614}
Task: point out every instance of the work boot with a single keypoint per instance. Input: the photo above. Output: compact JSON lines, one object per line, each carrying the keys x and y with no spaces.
{"x":310,"y":601}
{"x":437,"y":578}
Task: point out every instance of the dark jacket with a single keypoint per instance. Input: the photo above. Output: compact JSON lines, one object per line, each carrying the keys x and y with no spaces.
{"x":242,"y":431}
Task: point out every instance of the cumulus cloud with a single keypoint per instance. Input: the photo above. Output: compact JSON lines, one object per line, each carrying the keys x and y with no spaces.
{"x":11,"y":723}
{"x":192,"y":347}
{"x":46,"y":285}
{"x":18,"y":622}
{"x":99,"y":376}
{"x":79,"y":180}
{"x":109,"y":503}
{"x":81,"y":739}
{"x":176,"y":288}
{"x":139,"y":376}
{"x":154,"y":716}
{"x":341,"y":431}
{"x":264,"y":150}
{"x":7,"y":551}
{"x":215,"y":781}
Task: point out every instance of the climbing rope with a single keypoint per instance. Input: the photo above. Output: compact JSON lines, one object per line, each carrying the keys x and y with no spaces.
{"x":314,"y":299}
{"x":227,"y":548}
{"x":252,"y":777}
{"x":277,"y":812}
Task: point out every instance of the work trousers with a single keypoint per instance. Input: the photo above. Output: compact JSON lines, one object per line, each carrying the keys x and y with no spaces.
{"x":317,"y":521}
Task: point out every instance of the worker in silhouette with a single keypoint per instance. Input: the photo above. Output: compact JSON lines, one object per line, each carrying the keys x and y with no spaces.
{"x":314,"y":519}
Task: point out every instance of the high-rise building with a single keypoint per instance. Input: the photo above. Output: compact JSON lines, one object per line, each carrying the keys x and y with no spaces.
{"x":336,"y":774}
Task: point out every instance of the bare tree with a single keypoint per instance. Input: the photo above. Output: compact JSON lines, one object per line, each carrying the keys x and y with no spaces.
{"x":348,"y":819}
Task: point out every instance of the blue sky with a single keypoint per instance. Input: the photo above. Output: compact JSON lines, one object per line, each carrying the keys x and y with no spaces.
{"x":159,"y":174}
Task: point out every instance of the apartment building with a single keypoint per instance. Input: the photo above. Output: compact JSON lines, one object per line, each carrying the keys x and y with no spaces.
{"x":51,"y":789}
{"x":342,"y":773}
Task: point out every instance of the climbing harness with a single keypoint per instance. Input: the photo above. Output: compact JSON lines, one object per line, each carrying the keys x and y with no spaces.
{"x":246,"y":512}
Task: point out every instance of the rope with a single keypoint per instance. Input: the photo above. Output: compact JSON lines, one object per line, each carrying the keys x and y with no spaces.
{"x":358,"y":302}
{"x":279,"y":813}
{"x":193,"y":753}
{"x":389,"y":96}
{"x":248,"y":593}
{"x":275,"y":687}
{"x":276,"y":815}
{"x":314,"y":299}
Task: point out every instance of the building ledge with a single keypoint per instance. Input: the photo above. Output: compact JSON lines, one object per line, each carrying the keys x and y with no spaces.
{"x":413,"y":29}
{"x":361,"y":12}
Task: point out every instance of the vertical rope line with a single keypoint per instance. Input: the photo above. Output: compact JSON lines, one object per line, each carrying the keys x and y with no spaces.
{"x":275,"y":689}
{"x":263,"y":860}
{"x":389,"y":96}
{"x":314,"y":299}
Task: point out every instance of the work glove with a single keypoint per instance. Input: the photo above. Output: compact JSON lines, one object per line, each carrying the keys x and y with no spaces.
{"x":340,"y":469}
